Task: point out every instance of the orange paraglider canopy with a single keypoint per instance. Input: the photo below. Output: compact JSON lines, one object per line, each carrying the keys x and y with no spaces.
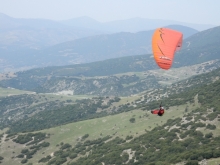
{"x":165,"y":43}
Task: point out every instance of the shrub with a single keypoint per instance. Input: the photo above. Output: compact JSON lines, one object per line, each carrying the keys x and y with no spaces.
{"x":45,"y":159}
{"x":85,"y":136}
{"x":24,"y":151}
{"x":132,"y":120}
{"x":211,"y":127}
{"x":208,"y":135}
{"x":212,"y":116}
{"x":20,"y":156}
{"x":24,"y":161}
{"x":192,"y":162}
{"x":73,"y":155}
{"x":65,"y":146}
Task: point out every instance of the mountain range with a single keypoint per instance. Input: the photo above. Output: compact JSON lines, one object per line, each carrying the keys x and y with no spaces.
{"x":107,"y":46}
{"x":130,"y":25}
{"x":28,"y":43}
{"x":19,"y":33}
{"x":201,"y":47}
{"x":39,"y":33}
{"x":198,"y":48}
{"x":53,"y":129}
{"x":83,"y":50}
{"x":99,"y":113}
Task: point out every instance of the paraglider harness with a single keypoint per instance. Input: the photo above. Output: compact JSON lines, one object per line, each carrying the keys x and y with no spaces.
{"x":159,"y":112}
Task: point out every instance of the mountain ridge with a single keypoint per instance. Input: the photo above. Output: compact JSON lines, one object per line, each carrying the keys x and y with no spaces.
{"x":133,"y":24}
{"x":88,"y":49}
{"x":187,"y":133}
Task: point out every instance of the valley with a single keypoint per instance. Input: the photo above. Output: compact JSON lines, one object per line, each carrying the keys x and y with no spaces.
{"x":115,"y":122}
{"x":86,"y":98}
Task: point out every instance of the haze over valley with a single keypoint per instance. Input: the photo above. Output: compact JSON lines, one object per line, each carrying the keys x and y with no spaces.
{"x":75,"y":90}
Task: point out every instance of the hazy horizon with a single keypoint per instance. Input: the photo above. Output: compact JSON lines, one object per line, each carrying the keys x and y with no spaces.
{"x":197,"y":11}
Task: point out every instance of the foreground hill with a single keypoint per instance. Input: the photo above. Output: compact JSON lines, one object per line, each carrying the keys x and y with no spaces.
{"x":19,"y":112}
{"x":134,"y":137}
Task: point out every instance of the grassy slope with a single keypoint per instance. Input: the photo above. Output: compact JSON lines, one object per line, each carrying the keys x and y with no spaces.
{"x":115,"y":125}
{"x":213,"y":161}
{"x":9,"y":91}
{"x":106,"y":126}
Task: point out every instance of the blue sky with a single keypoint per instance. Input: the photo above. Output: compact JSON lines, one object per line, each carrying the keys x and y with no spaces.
{"x":190,"y":11}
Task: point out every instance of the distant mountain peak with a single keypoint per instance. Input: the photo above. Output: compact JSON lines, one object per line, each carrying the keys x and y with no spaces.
{"x":86,"y":18}
{"x":2,"y":16}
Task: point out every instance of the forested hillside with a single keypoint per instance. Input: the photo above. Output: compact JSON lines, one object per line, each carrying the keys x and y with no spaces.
{"x":90,"y":83}
{"x":46,"y":111}
{"x":22,"y":110}
{"x":118,"y":94}
{"x":30,"y":48}
{"x":119,"y":77}
{"x":190,"y":139}
{"x":199,"y":47}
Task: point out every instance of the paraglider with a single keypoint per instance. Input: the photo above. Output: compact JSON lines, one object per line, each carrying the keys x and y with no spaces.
{"x":159,"y":112}
{"x":165,"y":42}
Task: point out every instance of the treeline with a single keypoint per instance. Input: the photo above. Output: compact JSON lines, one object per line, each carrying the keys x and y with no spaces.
{"x":15,"y":101}
{"x":15,"y":108}
{"x":159,"y":147}
{"x":34,"y":142}
{"x":81,"y":110}
{"x":176,"y":141}
{"x":87,"y":109}
{"x":124,"y":85}
{"x":185,"y":91}
{"x":34,"y":78}
{"x":99,"y":68}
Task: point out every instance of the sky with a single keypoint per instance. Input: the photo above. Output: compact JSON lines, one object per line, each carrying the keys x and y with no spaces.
{"x":189,"y":11}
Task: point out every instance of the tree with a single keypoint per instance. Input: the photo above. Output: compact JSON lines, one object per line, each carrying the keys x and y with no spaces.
{"x":211,"y":127}
{"x":73,"y":155}
{"x":132,"y":120}
{"x":24,"y":161}
{"x":192,"y":162}
{"x":209,"y":135}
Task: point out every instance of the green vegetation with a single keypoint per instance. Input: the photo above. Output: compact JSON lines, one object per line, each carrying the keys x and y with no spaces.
{"x":34,"y":138}
{"x":163,"y":144}
{"x":117,"y":77}
{"x":132,"y":120}
{"x":213,"y":161}
{"x":201,"y":49}
{"x":9,"y":91}
{"x":80,"y":110}
{"x":184,"y":139}
{"x":19,"y":107}
{"x":123,"y":85}
{"x":163,"y":140}
{"x":33,"y":142}
{"x":109,"y":129}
